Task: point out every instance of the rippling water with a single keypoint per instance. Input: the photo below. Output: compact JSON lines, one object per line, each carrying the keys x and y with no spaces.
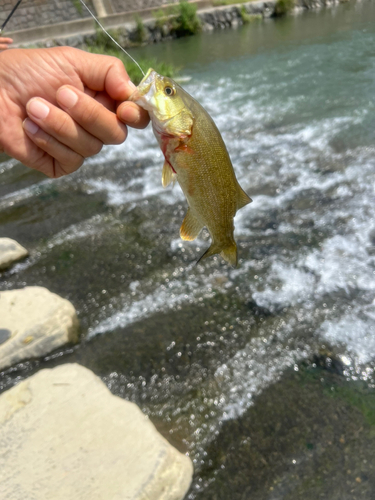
{"x":194,"y":345}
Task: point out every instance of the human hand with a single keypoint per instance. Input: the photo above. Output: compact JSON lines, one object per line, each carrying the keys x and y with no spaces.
{"x":58,"y":106}
{"x":5,"y":42}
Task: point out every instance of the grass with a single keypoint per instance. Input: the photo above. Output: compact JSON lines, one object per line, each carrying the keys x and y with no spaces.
{"x":283,"y":7}
{"x":161,"y":17}
{"x":186,"y":21}
{"x":181,"y":19}
{"x":77,"y":4}
{"x":132,"y":69}
{"x":104,"y":45}
{"x":219,"y":3}
{"x":249,"y":18}
{"x":140,"y":30}
{"x":103,"y":41}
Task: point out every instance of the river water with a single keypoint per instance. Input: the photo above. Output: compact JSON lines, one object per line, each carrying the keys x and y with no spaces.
{"x":208,"y":351}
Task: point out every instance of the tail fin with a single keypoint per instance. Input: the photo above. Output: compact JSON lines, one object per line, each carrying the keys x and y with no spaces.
{"x":229,"y":253}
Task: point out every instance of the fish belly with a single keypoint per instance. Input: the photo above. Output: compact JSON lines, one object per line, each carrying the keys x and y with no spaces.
{"x":211,"y":200}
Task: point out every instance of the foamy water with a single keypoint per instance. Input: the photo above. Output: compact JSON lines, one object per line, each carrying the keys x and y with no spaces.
{"x":298,"y":123}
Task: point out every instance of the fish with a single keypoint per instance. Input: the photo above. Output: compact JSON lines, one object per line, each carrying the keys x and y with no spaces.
{"x":197,"y":158}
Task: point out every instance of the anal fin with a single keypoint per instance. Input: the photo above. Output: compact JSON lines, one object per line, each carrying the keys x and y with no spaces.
{"x":190,"y":227}
{"x":229,"y":253}
{"x":242,"y":198}
{"x":168,"y":174}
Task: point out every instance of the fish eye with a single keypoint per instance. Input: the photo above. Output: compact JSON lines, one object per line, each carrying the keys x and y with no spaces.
{"x":169,"y":90}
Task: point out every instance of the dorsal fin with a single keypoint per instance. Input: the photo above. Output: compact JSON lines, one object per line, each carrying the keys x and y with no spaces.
{"x":190,"y":227}
{"x":168,"y":175}
{"x":242,"y":198}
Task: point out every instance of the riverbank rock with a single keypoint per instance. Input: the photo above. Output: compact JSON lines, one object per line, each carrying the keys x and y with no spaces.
{"x":10,"y":252}
{"x":34,"y":322}
{"x":64,"y":435}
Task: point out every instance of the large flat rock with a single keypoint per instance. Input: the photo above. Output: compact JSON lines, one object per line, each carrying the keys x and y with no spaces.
{"x":33,"y":322}
{"x":10,"y":252}
{"x":63,"y":435}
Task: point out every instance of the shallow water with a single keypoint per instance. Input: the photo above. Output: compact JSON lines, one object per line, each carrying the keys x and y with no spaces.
{"x":197,"y":347}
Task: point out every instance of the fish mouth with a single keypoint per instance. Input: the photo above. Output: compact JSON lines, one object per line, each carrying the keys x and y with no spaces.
{"x":145,"y":89}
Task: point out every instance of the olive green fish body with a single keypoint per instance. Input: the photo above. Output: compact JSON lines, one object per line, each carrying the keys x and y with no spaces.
{"x":196,"y":156}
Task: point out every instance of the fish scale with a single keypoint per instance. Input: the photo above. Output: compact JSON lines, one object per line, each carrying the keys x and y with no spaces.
{"x":196,"y":156}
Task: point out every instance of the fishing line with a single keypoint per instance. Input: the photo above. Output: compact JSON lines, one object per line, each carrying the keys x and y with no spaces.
{"x":113,"y":40}
{"x":10,"y":15}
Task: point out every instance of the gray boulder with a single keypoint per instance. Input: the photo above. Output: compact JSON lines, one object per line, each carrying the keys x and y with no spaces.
{"x":34,"y":322}
{"x":63,"y":435}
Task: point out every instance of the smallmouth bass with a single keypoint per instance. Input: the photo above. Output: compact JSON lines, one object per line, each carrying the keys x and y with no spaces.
{"x":196,"y":156}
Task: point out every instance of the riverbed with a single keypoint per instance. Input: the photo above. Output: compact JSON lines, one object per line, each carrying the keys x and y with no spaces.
{"x":263,"y":374}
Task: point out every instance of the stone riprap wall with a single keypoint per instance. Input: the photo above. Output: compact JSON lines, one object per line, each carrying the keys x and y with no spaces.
{"x":33,"y":13}
{"x":231,"y":16}
{"x":126,"y":5}
{"x":315,"y":4}
{"x":47,"y":13}
{"x":215,"y":18}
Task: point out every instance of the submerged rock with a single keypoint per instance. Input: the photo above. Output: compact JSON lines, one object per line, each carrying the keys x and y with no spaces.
{"x":10,"y":252}
{"x":308,"y":436}
{"x":64,"y":435}
{"x":34,"y":322}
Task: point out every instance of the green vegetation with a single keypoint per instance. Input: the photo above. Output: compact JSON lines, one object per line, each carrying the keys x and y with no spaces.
{"x":181,"y":19}
{"x":357,"y":394}
{"x":218,"y":3}
{"x":162,"y":68}
{"x":244,"y":15}
{"x":77,"y":4}
{"x":185,"y":20}
{"x":140,"y":30}
{"x":104,"y":45}
{"x":282,"y":7}
{"x":354,"y":393}
{"x":135,"y":75}
{"x":103,"y":42}
{"x":249,"y":18}
{"x":161,"y":17}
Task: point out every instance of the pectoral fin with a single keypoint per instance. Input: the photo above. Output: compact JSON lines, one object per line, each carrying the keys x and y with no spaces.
{"x":184,"y":148}
{"x":168,"y":174}
{"x":242,"y":198}
{"x":190,"y":227}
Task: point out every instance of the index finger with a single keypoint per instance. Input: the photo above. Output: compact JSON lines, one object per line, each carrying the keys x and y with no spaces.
{"x":91,"y":115}
{"x":101,"y":72}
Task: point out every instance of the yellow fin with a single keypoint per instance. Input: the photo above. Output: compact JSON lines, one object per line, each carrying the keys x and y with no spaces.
{"x":168,"y":175}
{"x":190,"y":227}
{"x":242,"y":198}
{"x":229,"y":253}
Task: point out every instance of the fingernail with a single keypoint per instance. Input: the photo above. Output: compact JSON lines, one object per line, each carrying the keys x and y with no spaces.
{"x":38,"y":109}
{"x":67,"y":97}
{"x":30,"y":126}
